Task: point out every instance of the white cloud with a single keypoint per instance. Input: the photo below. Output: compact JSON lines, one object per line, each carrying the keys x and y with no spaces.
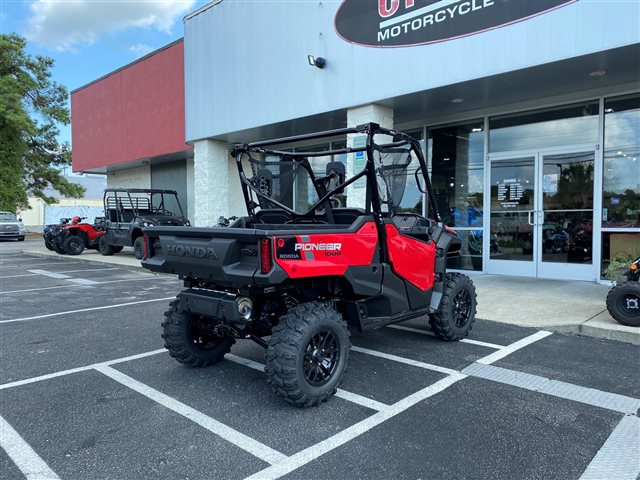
{"x":64,"y":24}
{"x":139,"y":50}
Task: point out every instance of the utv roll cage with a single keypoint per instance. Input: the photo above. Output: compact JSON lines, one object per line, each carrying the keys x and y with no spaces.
{"x":334,"y":182}
{"x":124,"y":204}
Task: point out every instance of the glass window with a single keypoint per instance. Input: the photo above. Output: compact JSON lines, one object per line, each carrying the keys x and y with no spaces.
{"x":618,"y":250}
{"x":457,"y":172}
{"x":553,"y":127}
{"x":621,"y":172}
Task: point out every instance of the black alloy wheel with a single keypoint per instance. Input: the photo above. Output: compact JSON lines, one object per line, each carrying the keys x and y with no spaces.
{"x":461,"y":307}
{"x":307,"y":354}
{"x":457,"y":311}
{"x":321,"y":358}
{"x":191,"y":339}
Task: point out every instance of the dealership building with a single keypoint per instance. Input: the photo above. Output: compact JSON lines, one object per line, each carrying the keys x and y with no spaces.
{"x":528,"y":113}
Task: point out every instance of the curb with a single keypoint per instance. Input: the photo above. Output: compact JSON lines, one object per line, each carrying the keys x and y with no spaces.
{"x":598,"y":332}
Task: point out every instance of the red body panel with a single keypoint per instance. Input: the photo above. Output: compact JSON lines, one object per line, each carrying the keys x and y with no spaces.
{"x":327,"y":254}
{"x":411,"y":259}
{"x":134,"y":113}
{"x":88,"y":229}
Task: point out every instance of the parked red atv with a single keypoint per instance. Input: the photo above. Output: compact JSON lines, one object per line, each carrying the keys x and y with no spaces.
{"x":77,"y":236}
{"x":623,"y":300}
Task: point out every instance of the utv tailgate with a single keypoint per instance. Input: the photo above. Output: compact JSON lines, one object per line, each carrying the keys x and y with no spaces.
{"x":225,"y":255}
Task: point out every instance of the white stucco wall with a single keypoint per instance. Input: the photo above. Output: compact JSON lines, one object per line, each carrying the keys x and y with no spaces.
{"x":139,"y":177}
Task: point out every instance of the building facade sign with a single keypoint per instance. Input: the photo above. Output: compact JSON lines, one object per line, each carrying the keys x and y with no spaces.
{"x":403,"y":23}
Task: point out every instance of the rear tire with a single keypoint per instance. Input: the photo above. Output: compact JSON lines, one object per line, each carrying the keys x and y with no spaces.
{"x":454,"y":318}
{"x":307,"y":354}
{"x":73,"y":245}
{"x":623,"y":303}
{"x":138,"y":248}
{"x":104,"y":248}
{"x":188,"y":342}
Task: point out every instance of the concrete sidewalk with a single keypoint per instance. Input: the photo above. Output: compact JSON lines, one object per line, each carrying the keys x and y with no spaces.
{"x":559,"y":305}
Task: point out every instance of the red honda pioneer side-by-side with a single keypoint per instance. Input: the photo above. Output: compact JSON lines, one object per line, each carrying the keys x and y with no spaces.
{"x":301,"y":267}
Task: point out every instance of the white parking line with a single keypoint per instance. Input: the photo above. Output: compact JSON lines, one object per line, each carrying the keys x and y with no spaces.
{"x":100,"y":283}
{"x":315,"y":451}
{"x":509,"y":349}
{"x":408,"y":361}
{"x":619,"y":457}
{"x":83,"y":281}
{"x":59,"y":262}
{"x":66,"y":271}
{"x":248,"y":444}
{"x":70,"y":371}
{"x":430,"y":333}
{"x":25,"y":458}
{"x":68,"y":312}
{"x":349,"y":396}
{"x":47,"y":273}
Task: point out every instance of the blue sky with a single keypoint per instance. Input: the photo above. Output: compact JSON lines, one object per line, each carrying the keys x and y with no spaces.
{"x":90,"y":38}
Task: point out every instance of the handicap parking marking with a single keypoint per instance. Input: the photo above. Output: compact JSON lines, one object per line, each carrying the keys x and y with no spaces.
{"x":25,"y":457}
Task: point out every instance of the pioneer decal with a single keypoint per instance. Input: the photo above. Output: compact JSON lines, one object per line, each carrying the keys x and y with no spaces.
{"x":404,"y":23}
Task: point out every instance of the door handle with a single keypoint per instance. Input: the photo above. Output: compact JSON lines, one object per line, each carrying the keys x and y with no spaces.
{"x":530,"y":216}
{"x":541,"y":217}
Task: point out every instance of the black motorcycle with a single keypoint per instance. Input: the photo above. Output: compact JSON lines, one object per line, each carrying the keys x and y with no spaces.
{"x":623,"y":300}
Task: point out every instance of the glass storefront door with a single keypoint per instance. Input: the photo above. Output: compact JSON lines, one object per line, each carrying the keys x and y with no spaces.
{"x":541,"y":214}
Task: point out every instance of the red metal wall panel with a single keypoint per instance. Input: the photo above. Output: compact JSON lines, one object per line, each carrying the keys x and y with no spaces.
{"x":136,"y":112}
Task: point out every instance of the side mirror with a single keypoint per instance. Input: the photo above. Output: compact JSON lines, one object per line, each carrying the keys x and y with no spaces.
{"x":418,"y":182}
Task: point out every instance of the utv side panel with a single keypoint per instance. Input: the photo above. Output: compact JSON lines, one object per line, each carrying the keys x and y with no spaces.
{"x":326,"y":254}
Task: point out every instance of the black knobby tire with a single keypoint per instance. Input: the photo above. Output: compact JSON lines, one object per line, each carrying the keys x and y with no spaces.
{"x":104,"y":248}
{"x":73,"y":244}
{"x":454,"y":318}
{"x":48,"y":245}
{"x":58,"y":249}
{"x":186,"y":340}
{"x":138,"y":248}
{"x":307,"y":354}
{"x":623,"y":303}
{"x":117,"y":248}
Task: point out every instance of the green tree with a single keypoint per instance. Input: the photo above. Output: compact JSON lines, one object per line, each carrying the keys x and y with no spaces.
{"x":32,"y":106}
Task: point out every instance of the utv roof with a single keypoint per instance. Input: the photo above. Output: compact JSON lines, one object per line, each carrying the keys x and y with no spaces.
{"x":139,"y":190}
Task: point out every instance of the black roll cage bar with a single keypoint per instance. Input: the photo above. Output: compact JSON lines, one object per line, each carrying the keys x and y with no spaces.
{"x":134,"y":205}
{"x":371,"y":129}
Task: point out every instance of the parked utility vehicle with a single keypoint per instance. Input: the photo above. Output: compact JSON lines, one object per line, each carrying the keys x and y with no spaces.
{"x":128,"y":210}
{"x":293,"y":278}
{"x":623,"y":300}
{"x":74,"y":237}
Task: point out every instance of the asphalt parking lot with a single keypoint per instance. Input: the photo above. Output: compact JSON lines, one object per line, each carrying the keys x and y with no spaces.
{"x":88,"y":392}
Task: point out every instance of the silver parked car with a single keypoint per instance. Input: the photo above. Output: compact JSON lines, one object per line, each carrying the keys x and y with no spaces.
{"x":11,"y":226}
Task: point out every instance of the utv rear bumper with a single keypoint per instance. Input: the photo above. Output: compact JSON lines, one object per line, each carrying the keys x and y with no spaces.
{"x":212,"y":304}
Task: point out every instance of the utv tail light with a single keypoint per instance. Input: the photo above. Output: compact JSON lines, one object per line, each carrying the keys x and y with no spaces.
{"x":265,"y":255}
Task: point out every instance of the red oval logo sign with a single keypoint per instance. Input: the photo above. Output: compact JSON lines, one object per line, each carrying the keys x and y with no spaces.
{"x":404,"y":23}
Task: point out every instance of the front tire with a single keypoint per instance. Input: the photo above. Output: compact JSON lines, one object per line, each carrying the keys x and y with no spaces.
{"x":73,"y":245}
{"x":48,"y":245}
{"x":623,"y":303}
{"x":307,"y":354}
{"x":454,"y":318}
{"x":138,"y":248}
{"x":188,"y":339}
{"x":104,"y":248}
